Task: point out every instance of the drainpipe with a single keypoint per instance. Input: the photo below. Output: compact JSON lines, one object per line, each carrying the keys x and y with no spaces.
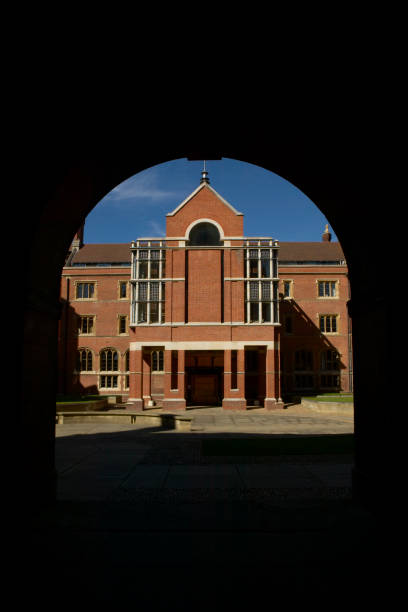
{"x":349,"y":339}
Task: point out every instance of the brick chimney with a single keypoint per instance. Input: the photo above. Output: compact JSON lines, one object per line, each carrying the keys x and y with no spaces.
{"x":78,"y":240}
{"x":76,"y":244}
{"x":326,"y":236}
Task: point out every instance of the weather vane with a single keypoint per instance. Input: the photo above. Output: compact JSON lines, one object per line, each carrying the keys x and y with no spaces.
{"x":204,"y":175}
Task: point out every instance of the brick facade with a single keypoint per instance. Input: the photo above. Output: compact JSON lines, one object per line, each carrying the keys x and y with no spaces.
{"x":205,"y":315}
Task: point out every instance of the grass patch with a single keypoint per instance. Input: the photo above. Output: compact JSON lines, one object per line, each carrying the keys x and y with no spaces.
{"x":75,"y":399}
{"x":331,"y":397}
{"x":313,"y":445}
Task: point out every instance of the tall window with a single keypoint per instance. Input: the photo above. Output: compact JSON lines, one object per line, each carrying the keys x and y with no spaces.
{"x":84,"y":360}
{"x":123,"y":290}
{"x":85,"y":291}
{"x":261,"y":295}
{"x":86,"y":325}
{"x":148,"y":291}
{"x":287,"y":288}
{"x":328,"y":324}
{"x":326,"y":288}
{"x":122,"y":324}
{"x":127,"y":368}
{"x":109,"y":362}
{"x":157,"y":361}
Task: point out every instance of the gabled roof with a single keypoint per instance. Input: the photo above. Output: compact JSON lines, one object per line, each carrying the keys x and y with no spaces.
{"x":202,"y":186}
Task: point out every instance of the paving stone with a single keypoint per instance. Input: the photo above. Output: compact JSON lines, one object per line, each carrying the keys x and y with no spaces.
{"x":203,"y":476}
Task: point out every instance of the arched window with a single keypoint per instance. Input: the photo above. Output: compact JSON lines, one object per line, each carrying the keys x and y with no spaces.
{"x":204,"y":234}
{"x":84,"y":360}
{"x":109,"y":360}
{"x":157,"y":361}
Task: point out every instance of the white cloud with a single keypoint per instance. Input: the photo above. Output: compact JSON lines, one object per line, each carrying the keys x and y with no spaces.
{"x":141,"y":187}
{"x":157,"y":229}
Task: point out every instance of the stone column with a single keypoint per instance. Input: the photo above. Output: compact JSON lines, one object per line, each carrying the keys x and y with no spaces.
{"x":227,"y":376}
{"x":272,"y":374}
{"x":174,"y":399}
{"x":146,"y":379}
{"x":234,"y":399}
{"x":135,"y":399}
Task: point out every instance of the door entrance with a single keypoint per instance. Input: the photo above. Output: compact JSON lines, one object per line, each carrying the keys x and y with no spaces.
{"x":204,"y":377}
{"x":204,"y":388}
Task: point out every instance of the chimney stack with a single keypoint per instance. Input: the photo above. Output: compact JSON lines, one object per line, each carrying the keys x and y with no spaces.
{"x":78,"y":240}
{"x":326,"y":236}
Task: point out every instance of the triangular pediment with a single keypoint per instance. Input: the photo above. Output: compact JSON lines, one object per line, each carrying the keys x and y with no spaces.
{"x":195,"y":192}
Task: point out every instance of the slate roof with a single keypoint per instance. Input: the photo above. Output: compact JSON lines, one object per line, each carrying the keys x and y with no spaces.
{"x":288,"y":252}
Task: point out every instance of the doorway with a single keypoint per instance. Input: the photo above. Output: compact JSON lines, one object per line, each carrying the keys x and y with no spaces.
{"x":204,"y":378}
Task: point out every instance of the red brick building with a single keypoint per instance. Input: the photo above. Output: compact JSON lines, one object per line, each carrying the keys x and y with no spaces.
{"x":205,"y":315}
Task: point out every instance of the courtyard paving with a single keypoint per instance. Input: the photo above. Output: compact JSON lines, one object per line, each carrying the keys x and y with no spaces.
{"x":145,"y":518}
{"x":98,"y":461}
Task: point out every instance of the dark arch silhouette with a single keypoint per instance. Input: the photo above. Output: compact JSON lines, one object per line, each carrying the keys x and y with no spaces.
{"x":204,"y":234}
{"x":334,"y":166}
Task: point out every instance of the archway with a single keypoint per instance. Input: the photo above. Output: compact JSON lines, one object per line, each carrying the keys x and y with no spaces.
{"x":75,"y":183}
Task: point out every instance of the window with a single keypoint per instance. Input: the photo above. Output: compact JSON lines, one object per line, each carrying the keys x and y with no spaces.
{"x":84,"y":360}
{"x":127,"y":362}
{"x":157,"y":361}
{"x":261,"y":295}
{"x":109,"y":360}
{"x":86,"y":325}
{"x":123,"y":290}
{"x":108,"y":381}
{"x":122,"y":324}
{"x":148,"y":294}
{"x":329,"y":360}
{"x":204,"y":234}
{"x":327,"y":289}
{"x":303,"y":360}
{"x":330,"y":381}
{"x":150,"y":302}
{"x":328,"y":324}
{"x":304,"y":381}
{"x":287,"y":288}
{"x":85,"y":291}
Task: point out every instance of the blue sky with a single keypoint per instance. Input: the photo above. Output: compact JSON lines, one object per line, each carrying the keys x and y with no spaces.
{"x":271,"y":205}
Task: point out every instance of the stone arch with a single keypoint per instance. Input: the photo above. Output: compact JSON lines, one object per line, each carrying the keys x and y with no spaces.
{"x":85,"y":357}
{"x":208,"y":228}
{"x":75,"y":181}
